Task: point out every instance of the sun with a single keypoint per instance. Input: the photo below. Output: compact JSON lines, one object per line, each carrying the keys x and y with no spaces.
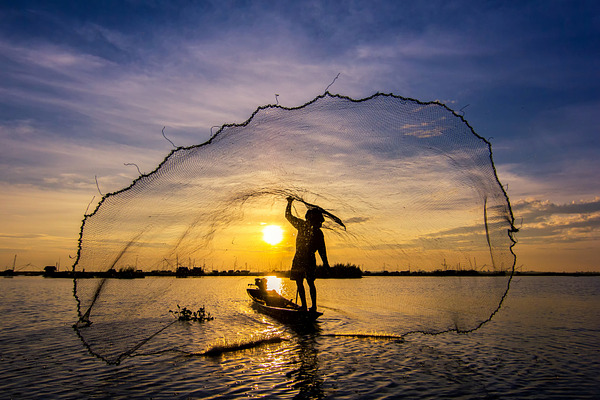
{"x":272,"y":234}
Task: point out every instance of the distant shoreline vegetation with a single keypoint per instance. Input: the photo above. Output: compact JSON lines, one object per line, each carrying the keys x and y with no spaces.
{"x":337,"y":271}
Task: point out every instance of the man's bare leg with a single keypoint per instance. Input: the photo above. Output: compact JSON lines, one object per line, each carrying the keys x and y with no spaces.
{"x":301,"y":292}
{"x":313,"y":294}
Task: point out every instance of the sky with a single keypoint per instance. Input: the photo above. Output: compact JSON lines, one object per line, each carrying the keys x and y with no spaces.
{"x":87,"y":87}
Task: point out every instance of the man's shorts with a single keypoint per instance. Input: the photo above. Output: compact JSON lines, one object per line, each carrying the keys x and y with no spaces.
{"x":298,"y":274}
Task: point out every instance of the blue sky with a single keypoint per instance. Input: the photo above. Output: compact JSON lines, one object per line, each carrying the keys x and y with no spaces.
{"x":86,"y":87}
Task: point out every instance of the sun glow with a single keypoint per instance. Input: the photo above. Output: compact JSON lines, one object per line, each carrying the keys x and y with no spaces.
{"x":272,"y":234}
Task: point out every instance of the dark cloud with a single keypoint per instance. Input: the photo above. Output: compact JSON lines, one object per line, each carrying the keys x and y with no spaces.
{"x":356,"y":220}
{"x":539,"y":222}
{"x":537,"y":210}
{"x":547,"y":222}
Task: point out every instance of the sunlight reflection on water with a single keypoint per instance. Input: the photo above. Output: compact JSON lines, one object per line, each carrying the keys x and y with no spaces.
{"x":274,"y":283}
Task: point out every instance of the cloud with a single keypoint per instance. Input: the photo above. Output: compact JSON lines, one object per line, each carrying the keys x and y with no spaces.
{"x":356,"y":220}
{"x":31,"y":156}
{"x":22,"y":236}
{"x":544,"y":222}
{"x":540,"y":222}
{"x":560,"y":182}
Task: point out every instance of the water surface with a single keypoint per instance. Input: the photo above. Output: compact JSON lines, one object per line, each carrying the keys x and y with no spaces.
{"x":544,"y":343}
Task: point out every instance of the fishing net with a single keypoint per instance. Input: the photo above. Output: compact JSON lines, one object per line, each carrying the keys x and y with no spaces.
{"x":406,"y":186}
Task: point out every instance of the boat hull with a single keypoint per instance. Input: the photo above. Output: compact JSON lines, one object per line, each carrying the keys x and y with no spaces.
{"x":273,"y":304}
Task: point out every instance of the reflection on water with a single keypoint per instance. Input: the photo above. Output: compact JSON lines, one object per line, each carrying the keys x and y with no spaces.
{"x":544,"y":343}
{"x":274,"y":283}
{"x":307,"y":378}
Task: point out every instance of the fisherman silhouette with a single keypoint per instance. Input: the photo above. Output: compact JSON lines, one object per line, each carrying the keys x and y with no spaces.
{"x":309,"y":240}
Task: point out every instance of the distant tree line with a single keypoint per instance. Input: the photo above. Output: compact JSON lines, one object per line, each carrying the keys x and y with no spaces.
{"x":339,"y":271}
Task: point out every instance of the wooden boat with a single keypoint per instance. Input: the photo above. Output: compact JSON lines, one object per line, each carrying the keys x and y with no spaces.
{"x":275,"y":305}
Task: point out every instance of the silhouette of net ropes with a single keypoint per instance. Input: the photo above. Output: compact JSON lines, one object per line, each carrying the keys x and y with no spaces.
{"x":413,"y":186}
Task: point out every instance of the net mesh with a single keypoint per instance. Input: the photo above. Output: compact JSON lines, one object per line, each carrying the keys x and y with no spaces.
{"x":414,"y":186}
